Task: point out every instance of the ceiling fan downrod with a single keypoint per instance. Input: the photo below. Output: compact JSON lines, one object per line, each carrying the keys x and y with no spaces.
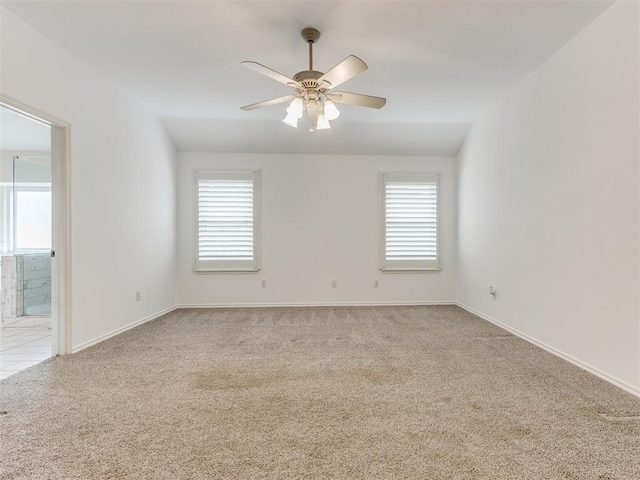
{"x":311,"y":36}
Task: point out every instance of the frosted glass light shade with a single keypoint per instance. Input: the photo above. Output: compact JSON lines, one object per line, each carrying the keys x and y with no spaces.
{"x":296,"y":108}
{"x":330,"y":110}
{"x":323,"y":123}
{"x":291,"y":120}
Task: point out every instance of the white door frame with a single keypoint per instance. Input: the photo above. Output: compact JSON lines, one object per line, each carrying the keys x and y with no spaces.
{"x":61,"y":221}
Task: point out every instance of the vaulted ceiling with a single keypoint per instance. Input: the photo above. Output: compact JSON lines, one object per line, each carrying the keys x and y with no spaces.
{"x":440,"y":64}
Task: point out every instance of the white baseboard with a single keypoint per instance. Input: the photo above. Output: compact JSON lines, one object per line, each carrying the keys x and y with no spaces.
{"x":117,"y":331}
{"x":632,"y":389}
{"x":311,"y":304}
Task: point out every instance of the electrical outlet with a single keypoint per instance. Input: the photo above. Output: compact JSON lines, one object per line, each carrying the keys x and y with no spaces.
{"x":263,"y":284}
{"x":376,"y":284}
{"x":334,"y":284}
{"x":138,"y":296}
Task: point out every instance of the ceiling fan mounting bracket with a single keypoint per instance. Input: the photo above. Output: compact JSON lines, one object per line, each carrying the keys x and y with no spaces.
{"x":310,"y":35}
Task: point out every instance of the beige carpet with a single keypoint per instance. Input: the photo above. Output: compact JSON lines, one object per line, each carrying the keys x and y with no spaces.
{"x":379,"y":392}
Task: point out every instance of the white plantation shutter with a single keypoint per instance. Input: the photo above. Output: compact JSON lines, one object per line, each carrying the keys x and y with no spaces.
{"x":227,"y":221}
{"x":409,"y":221}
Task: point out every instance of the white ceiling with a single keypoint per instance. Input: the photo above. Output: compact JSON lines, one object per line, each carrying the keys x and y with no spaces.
{"x":440,"y":64}
{"x":21,"y":134}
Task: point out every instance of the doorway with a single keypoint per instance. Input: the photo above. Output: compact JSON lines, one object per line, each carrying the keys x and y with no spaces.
{"x":34,"y":259}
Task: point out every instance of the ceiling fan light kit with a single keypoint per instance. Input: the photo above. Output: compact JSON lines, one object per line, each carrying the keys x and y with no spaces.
{"x":313,"y":89}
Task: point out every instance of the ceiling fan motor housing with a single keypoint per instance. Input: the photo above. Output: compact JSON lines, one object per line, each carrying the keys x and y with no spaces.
{"x":308,"y":78}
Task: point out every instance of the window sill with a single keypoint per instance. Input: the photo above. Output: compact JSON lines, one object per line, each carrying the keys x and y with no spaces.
{"x":411,"y":270}
{"x":217,"y":271}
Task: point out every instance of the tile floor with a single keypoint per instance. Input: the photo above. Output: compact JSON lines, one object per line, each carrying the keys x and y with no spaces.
{"x":21,"y":348}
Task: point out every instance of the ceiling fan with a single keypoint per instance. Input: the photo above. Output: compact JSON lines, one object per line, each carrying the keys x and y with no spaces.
{"x":313,"y":90}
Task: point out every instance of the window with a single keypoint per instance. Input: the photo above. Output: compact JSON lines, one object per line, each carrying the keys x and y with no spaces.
{"x":409,"y":220}
{"x":32,"y":220}
{"x":227,"y":221}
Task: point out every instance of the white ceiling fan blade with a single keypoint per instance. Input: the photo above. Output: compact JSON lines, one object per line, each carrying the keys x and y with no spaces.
{"x":345,"y":70}
{"x":357,"y":99}
{"x":267,"y":103}
{"x":257,"y":67}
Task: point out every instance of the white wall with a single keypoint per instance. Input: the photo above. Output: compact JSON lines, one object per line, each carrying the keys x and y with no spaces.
{"x":548,"y":202}
{"x":123,"y":184}
{"x":319,"y":223}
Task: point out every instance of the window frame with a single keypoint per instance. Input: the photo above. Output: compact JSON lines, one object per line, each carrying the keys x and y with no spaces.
{"x":228,"y":266}
{"x":407,"y":266}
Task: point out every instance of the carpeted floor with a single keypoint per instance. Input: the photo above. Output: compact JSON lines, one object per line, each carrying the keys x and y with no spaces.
{"x":375,"y":392}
